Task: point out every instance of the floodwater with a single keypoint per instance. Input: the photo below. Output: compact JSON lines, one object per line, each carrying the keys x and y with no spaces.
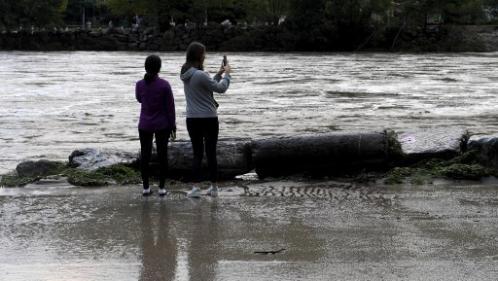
{"x":52,"y":103}
{"x":329,"y":232}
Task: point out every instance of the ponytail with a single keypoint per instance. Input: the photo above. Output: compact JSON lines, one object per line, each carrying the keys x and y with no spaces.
{"x":148,"y":77}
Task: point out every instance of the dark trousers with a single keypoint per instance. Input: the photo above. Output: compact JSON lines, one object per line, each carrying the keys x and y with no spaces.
{"x":146,"y":137}
{"x":203,"y":134}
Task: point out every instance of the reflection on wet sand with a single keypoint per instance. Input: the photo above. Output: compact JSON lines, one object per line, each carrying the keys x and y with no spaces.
{"x":179,"y":246}
{"x":163,"y":246}
{"x":159,"y":253}
{"x":204,"y":237}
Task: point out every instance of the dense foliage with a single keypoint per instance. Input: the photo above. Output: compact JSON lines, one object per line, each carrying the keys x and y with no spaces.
{"x":322,"y":24}
{"x":329,"y":14}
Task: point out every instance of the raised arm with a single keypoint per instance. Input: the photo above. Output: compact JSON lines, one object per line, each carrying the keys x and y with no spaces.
{"x":217,"y":84}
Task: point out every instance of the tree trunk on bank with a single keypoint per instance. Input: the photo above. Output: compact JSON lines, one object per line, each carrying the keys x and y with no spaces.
{"x":234,"y":159}
{"x":331,"y":154}
{"x":83,"y":18}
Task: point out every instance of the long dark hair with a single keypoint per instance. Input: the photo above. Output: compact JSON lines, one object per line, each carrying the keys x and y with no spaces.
{"x":195,"y":51}
{"x":152,"y":68}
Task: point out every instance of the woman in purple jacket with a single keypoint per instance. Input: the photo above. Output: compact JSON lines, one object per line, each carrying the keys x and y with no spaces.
{"x":157,"y":117}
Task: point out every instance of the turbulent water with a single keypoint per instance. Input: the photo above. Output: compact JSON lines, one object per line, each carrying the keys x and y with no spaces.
{"x":52,"y":103}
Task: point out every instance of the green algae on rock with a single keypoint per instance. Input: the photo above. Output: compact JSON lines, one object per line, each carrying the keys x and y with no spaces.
{"x":462,"y":167}
{"x":28,"y":173}
{"x":465,"y":171}
{"x":115,"y":174}
{"x":121,"y":174}
{"x":86,"y":178}
{"x":14,"y":180}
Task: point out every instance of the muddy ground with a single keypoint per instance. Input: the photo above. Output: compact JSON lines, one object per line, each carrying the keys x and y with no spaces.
{"x":329,"y":230}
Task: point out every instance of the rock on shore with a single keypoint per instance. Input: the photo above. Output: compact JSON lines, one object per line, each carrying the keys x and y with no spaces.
{"x":92,"y":158}
{"x":434,"y":143}
{"x":38,"y":168}
{"x":486,"y":148}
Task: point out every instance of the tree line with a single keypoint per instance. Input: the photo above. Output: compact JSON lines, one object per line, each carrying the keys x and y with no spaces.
{"x":303,"y":13}
{"x":329,"y":24}
{"x":156,"y":13}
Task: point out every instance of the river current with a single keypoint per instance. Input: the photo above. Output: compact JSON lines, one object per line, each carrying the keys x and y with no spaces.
{"x":55,"y":102}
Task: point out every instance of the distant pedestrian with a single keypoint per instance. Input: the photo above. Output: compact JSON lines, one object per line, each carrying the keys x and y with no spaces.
{"x":202,"y":116}
{"x":157,"y":117}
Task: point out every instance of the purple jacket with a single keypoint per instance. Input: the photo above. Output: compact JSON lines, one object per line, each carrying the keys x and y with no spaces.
{"x":158,"y":105}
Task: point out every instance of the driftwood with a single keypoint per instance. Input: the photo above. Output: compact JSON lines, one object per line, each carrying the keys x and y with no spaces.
{"x":269,"y":252}
{"x":234,"y":159}
{"x":330,"y":154}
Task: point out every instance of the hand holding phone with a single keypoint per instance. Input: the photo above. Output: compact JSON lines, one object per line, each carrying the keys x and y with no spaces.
{"x":224,"y":66}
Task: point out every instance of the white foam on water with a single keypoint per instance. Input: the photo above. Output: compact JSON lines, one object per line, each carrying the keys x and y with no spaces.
{"x":55,"y":102}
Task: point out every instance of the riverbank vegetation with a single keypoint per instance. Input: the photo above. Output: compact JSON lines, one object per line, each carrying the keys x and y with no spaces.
{"x":466,"y":166}
{"x":319,"y":25}
{"x":116,"y":174}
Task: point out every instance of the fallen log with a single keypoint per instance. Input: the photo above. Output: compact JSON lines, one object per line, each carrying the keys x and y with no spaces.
{"x":234,"y":159}
{"x":330,"y":154}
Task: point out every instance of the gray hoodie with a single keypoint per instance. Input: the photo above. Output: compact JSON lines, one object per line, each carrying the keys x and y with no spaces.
{"x":199,"y":88}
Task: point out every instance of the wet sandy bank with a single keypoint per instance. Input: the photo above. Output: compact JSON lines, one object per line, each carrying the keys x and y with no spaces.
{"x":444,"y":231}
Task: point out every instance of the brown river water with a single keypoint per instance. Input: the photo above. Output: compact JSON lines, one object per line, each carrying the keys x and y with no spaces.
{"x":52,"y":103}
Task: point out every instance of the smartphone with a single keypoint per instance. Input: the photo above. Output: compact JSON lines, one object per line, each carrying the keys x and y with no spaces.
{"x":225,"y":61}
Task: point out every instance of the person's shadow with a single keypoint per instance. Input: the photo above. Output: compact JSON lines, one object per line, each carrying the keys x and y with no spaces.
{"x":159,"y":253}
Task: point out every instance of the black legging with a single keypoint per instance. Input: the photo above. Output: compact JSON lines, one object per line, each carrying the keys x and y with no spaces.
{"x":162,"y":137}
{"x":203,"y":133}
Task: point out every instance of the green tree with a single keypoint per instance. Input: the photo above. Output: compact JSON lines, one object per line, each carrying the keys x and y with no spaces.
{"x":463,"y":11}
{"x":81,"y":11}
{"x":127,"y":7}
{"x":14,"y":13}
{"x":491,"y":9}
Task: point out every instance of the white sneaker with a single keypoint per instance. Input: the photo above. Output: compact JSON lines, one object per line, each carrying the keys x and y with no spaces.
{"x":147,"y":192}
{"x":194,"y":193}
{"x":163,"y":192}
{"x":213,"y":191}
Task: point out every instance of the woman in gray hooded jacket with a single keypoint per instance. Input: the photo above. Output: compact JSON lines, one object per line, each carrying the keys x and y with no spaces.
{"x":202,"y":116}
